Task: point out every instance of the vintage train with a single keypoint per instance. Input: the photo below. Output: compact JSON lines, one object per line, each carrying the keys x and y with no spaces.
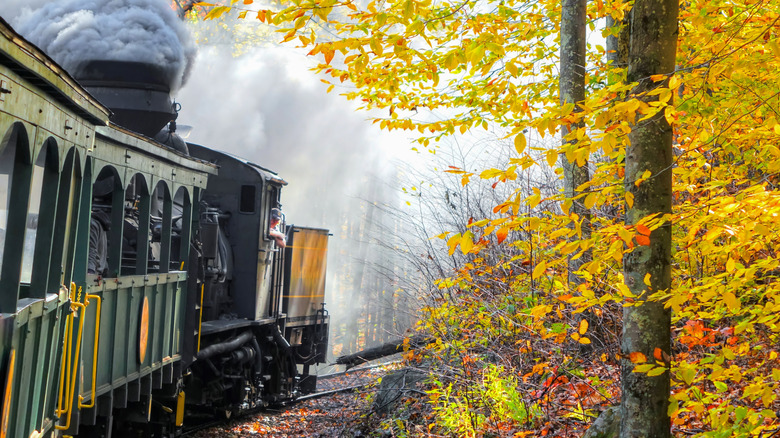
{"x":139,"y":284}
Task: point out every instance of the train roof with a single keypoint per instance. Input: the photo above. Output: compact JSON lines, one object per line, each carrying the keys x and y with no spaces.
{"x":33,"y":64}
{"x":209,"y":154}
{"x":133,"y":140}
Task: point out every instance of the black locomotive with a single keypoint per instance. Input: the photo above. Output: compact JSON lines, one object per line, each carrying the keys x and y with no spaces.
{"x":140,"y":281}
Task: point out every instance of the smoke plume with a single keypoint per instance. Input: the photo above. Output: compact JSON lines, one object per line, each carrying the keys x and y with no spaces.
{"x":75,"y":31}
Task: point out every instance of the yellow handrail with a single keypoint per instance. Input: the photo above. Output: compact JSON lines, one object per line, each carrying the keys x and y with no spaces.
{"x":94,"y":350}
{"x":66,"y":356}
{"x":65,"y":365}
{"x":71,"y":385}
{"x":9,"y":383}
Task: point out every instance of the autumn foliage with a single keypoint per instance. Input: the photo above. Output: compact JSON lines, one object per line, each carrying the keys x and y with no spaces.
{"x":510,"y":359}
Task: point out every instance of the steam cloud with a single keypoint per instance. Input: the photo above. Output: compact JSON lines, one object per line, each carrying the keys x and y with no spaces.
{"x":74,"y":31}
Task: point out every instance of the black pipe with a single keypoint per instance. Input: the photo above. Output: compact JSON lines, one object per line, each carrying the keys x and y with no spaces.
{"x":280,"y":340}
{"x":258,"y":361}
{"x":226,"y":346}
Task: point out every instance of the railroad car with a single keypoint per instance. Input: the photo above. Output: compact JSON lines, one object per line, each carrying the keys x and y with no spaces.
{"x":139,"y":284}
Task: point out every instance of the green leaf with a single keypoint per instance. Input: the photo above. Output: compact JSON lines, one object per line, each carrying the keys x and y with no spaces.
{"x":657,"y":371}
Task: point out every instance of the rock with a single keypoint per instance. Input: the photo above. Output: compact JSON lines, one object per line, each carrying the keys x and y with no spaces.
{"x":394,"y":386}
{"x":606,"y":426}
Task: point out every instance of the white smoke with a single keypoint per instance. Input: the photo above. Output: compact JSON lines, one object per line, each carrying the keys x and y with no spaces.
{"x":75,"y":31}
{"x":266,"y":106}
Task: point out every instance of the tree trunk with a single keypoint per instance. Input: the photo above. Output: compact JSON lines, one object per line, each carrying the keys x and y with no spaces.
{"x":647,"y":325}
{"x":572,"y":90}
{"x":617,"y":46}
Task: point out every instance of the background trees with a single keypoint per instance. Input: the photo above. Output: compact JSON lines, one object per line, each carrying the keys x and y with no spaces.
{"x":683,"y":228}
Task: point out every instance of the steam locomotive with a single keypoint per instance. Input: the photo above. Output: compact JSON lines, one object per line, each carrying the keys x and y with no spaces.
{"x":139,"y":285}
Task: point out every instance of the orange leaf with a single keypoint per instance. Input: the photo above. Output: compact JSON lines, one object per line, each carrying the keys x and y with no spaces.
{"x":328,"y":55}
{"x":637,"y":357}
{"x":658,"y":354}
{"x":642,"y":229}
{"x":501,"y":234}
{"x":643,"y":240}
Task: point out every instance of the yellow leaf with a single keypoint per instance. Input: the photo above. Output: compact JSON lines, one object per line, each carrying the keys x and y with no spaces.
{"x":590,"y":200}
{"x":657,"y":371}
{"x":584,"y":340}
{"x":583,"y":327}
{"x":552,"y":157}
{"x":674,"y":81}
{"x":452,"y":243}
{"x":730,"y":264}
{"x":216,"y":12}
{"x":466,"y":242}
{"x":520,"y":143}
{"x":669,"y":115}
{"x":630,"y":199}
{"x":647,"y":280}
{"x":731,"y":301}
{"x":539,"y":270}
{"x":688,"y":375}
{"x":242,"y":15}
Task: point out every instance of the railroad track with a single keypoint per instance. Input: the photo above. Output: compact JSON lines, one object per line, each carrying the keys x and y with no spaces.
{"x":356,"y":379}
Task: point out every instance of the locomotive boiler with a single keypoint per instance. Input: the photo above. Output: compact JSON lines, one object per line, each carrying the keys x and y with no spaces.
{"x":139,"y":281}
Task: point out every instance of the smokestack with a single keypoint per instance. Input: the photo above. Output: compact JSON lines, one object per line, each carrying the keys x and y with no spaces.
{"x":130,"y":54}
{"x":137,"y":93}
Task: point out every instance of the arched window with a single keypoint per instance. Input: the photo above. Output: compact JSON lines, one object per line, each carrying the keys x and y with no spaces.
{"x":105,"y":238}
{"x":41,"y":212}
{"x":181,"y":228}
{"x":135,"y":237}
{"x":161,"y":213}
{"x":15,"y":173}
{"x":7,"y":162}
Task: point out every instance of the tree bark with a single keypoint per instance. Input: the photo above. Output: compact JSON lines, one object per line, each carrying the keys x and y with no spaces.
{"x":572,"y":90}
{"x":384,"y":350}
{"x":647,"y":325}
{"x":617,"y":46}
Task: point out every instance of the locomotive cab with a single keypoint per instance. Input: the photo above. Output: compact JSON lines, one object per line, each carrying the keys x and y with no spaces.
{"x":249,"y":345}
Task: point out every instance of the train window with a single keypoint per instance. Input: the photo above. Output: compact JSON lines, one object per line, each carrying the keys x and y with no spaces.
{"x":103,"y":237}
{"x":40,"y":218}
{"x":7,"y":159}
{"x":136,"y":227}
{"x":247,"y":204}
{"x":271,"y":201}
{"x":161,"y":229}
{"x":32,"y":219}
{"x":180,"y":232}
{"x":15,"y":175}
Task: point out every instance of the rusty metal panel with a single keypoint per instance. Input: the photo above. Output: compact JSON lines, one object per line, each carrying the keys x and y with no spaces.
{"x":307,"y":258}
